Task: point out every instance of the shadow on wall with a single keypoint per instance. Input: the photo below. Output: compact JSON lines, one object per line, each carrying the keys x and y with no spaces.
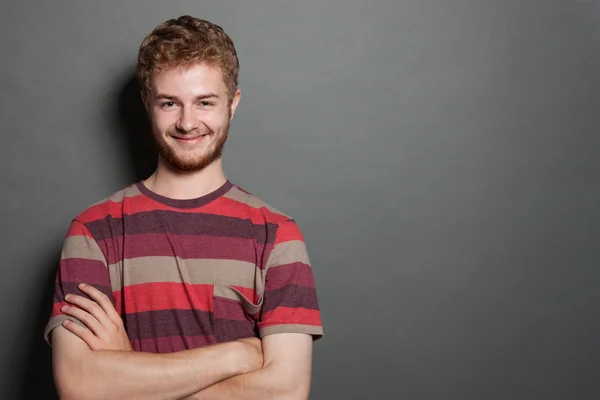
{"x":133,"y":133}
{"x":131,"y":121}
{"x":36,"y":376}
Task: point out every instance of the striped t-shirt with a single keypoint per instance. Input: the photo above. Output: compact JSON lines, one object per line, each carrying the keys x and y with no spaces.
{"x":189,"y":273}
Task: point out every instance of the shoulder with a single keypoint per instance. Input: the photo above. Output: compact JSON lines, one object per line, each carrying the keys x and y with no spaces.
{"x":110,"y":206}
{"x":255,"y":206}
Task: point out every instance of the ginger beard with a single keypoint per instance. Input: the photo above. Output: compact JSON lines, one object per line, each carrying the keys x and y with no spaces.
{"x":193,"y":157}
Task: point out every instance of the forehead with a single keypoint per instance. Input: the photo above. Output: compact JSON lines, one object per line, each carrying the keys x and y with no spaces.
{"x":190,"y":80}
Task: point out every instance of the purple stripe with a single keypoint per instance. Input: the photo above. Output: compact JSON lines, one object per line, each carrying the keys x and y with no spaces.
{"x":190,"y":203}
{"x":227,"y":330}
{"x":292,"y":296}
{"x":181,"y":223}
{"x":230,"y":309}
{"x":290,"y":274}
{"x":83,"y":270}
{"x":64,"y":288}
{"x":162,"y":323}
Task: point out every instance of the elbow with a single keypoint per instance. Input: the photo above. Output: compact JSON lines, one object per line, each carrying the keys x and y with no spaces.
{"x":72,"y":383}
{"x":289,"y":384}
{"x":68,"y":386}
{"x":297,"y":389}
{"x":73,"y":367}
{"x":74,"y":387}
{"x":300,"y":393}
{"x":293,"y":395}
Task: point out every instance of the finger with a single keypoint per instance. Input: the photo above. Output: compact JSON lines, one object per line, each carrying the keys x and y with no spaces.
{"x":88,"y":319}
{"x":82,"y":333}
{"x":102,"y":300}
{"x":90,"y":306}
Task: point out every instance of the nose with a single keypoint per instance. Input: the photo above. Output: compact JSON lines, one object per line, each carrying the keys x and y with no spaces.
{"x":187,"y":121}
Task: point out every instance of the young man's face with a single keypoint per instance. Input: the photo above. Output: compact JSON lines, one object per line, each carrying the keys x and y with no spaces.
{"x":190,"y":114}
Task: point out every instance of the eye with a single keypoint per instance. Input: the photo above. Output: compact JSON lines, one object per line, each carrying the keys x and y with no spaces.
{"x":168,"y":104}
{"x":205,"y":103}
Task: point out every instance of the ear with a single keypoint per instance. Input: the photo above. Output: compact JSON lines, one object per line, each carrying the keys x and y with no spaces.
{"x":144,"y":99}
{"x":234,"y":103}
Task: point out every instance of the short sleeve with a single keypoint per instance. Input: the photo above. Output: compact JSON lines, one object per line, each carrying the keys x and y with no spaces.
{"x":290,"y":302}
{"x":82,"y":261}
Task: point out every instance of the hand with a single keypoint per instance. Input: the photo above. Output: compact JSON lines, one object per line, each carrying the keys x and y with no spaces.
{"x":106,"y":330}
{"x":251,"y":354}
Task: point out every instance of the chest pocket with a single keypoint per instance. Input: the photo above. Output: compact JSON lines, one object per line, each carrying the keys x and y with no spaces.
{"x":237,"y":299}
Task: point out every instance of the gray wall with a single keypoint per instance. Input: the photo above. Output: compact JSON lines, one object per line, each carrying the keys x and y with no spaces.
{"x":440,"y":157}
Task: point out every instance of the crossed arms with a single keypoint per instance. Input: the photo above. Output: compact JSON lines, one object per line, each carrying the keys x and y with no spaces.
{"x":97,"y":362}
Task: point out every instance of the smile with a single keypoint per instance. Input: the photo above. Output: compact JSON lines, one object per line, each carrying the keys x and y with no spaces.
{"x":191,"y":139}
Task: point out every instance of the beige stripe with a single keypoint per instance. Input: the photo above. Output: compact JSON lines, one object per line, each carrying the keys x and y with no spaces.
{"x":276,"y":211}
{"x":237,"y":195}
{"x":82,"y":247}
{"x":130,"y":191}
{"x":252,"y":201}
{"x":232,"y":293}
{"x":287,"y":253}
{"x":194,"y":271}
{"x":235,"y":273}
{"x":115,"y":273}
{"x":291,"y":328}
{"x":57,"y":321}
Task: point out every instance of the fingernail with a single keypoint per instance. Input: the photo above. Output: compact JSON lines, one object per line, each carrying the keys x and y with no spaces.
{"x":66,"y":322}
{"x":64,"y":308}
{"x":82,"y":285}
{"x":67,"y":297}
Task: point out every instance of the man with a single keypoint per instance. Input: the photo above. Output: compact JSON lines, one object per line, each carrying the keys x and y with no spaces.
{"x":184,"y":285}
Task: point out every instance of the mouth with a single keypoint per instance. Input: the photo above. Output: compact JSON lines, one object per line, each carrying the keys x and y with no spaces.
{"x":191,"y":139}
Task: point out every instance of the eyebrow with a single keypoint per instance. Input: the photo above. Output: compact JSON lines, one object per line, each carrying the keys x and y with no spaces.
{"x":200,"y":97}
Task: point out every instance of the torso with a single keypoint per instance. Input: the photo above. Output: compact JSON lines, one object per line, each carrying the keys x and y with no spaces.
{"x":185,"y":277}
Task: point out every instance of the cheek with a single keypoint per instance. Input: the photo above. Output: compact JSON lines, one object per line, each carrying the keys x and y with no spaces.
{"x":161,"y":122}
{"x":216,"y":122}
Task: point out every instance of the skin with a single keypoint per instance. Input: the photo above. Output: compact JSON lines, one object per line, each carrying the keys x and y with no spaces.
{"x":95,"y":362}
{"x":183,"y":105}
{"x":190,"y":113}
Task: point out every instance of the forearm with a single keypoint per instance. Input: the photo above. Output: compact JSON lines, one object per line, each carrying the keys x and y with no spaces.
{"x":130,"y":375}
{"x":267,"y":383}
{"x":85,"y":374}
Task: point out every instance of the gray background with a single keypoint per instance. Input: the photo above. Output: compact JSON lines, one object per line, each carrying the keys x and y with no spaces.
{"x":440,"y":157}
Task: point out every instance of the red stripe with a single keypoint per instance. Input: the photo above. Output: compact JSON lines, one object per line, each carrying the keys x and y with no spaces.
{"x":56,"y":309}
{"x":167,"y":296}
{"x":287,"y":232}
{"x":57,"y":305}
{"x":77,"y":229}
{"x":118,"y":298}
{"x":248,"y":293}
{"x":171,"y":344}
{"x":229,"y":309}
{"x":107,"y":209}
{"x":222,"y":206}
{"x":285,"y":315}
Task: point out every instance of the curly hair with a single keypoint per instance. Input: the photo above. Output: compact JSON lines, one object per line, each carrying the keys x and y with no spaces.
{"x":185,"y":41}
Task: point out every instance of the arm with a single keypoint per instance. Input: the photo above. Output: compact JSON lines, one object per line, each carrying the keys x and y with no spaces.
{"x":285,"y":375}
{"x":81,"y":373}
{"x":105,"y":367}
{"x":289,"y":322}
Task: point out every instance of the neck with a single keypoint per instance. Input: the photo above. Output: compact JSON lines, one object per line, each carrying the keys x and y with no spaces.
{"x":186,"y":185}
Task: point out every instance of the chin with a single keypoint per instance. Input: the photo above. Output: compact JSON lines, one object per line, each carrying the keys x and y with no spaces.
{"x":189,"y":164}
